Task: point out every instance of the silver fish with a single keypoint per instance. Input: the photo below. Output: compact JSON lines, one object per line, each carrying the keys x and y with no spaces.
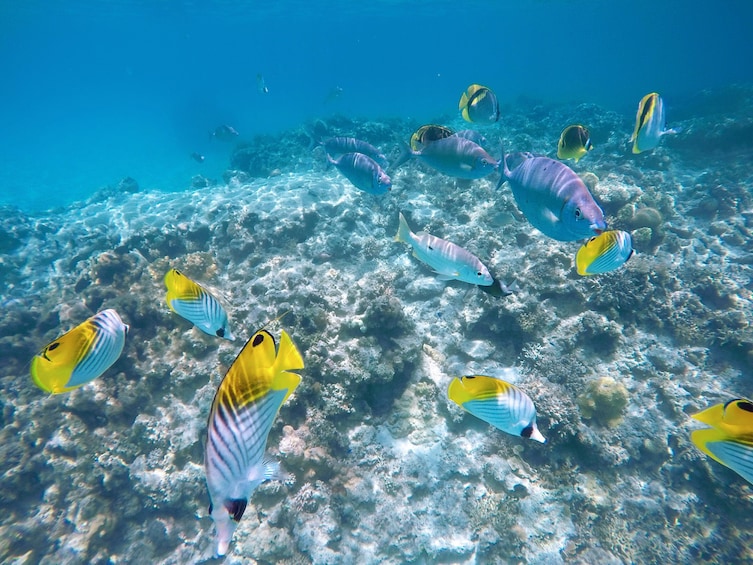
{"x":450,"y":261}
{"x":363,"y":172}
{"x":553,"y":198}
{"x":455,"y":156}
{"x":336,"y":146}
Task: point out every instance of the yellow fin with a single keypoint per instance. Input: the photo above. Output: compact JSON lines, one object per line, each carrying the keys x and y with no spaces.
{"x":463,"y":102}
{"x":702,"y":437}
{"x":288,"y":357}
{"x":712,"y":416}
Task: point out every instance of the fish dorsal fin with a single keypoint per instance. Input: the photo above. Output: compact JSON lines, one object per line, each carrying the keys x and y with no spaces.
{"x":712,"y":416}
{"x":236,"y":507}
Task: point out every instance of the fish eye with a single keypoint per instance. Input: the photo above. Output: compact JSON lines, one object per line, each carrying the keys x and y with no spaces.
{"x":220,"y":332}
{"x":577,"y":213}
{"x":53,"y":346}
{"x":745,"y":405}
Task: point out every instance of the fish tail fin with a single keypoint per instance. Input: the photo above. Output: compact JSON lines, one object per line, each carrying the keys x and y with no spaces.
{"x":505,"y":172}
{"x":403,"y":231}
{"x":405,"y":155}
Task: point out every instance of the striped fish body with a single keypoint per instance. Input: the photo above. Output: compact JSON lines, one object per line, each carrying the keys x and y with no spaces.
{"x":196,"y":304}
{"x":479,"y":104}
{"x":553,"y":198}
{"x":427,"y":134}
{"x":80,"y":355}
{"x":650,"y":123}
{"x":336,"y":146}
{"x":243,"y":410}
{"x":497,"y":402}
{"x":604,"y":253}
{"x":729,"y":440}
{"x":458,"y":157}
{"x":363,"y":172}
{"x":449,"y":261}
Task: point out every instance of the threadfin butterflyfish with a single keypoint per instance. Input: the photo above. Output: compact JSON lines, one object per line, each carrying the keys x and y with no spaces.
{"x":604,"y":252}
{"x":650,"y":123}
{"x":497,"y":402}
{"x":196,"y":304}
{"x":553,"y":198}
{"x":479,"y":104}
{"x":729,"y":440}
{"x":241,"y":416}
{"x":424,"y":135}
{"x":449,"y":261}
{"x":574,"y":143}
{"x":81,"y":354}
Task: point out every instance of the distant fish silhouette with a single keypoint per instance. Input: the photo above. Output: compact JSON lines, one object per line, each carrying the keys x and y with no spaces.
{"x":225,"y":133}
{"x":261,"y":86}
{"x":333,"y":94}
{"x":198,"y":157}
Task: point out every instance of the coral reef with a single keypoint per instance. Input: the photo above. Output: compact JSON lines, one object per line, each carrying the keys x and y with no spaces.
{"x":383,"y":468}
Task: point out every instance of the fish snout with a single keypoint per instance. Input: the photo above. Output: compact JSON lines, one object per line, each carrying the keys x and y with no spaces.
{"x":598,"y":226}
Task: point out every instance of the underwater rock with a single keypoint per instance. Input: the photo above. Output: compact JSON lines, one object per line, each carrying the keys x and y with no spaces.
{"x":604,"y":401}
{"x":128,"y":185}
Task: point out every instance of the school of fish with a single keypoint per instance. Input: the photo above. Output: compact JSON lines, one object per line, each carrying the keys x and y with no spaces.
{"x":550,"y":195}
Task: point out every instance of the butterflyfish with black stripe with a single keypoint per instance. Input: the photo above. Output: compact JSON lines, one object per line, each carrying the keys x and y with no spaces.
{"x":196,"y":304}
{"x":80,"y":355}
{"x":729,"y":439}
{"x":479,"y":104}
{"x":650,"y":123}
{"x":574,"y":142}
{"x":497,"y":402}
{"x":243,"y":410}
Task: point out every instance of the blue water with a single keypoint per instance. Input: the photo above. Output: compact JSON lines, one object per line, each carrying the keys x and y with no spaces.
{"x":96,"y":91}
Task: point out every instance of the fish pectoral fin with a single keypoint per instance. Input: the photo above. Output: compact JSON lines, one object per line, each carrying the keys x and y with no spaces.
{"x":267,"y":470}
{"x":550,"y":216}
{"x":447,"y":277}
{"x":236,"y":507}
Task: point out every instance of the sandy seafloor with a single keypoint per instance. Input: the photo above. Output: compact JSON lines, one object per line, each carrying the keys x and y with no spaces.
{"x":384,"y":468}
